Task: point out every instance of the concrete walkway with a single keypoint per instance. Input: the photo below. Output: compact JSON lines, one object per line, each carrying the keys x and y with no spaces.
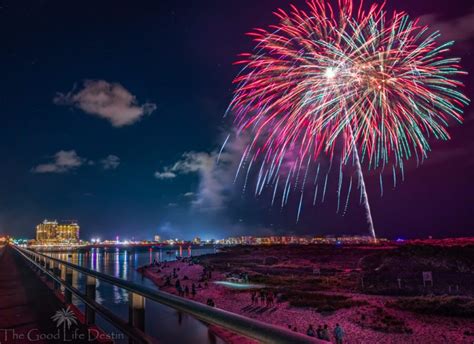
{"x":27,"y":305}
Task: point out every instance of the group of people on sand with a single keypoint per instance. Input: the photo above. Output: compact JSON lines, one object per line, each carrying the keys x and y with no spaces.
{"x":185,"y":292}
{"x":266,"y":298}
{"x":322,"y":332}
{"x":206,"y":274}
{"x":182,"y":289}
{"x":157,"y":265}
{"x":261,"y":297}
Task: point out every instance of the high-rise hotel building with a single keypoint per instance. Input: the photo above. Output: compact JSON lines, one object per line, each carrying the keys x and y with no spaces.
{"x":57,"y":232}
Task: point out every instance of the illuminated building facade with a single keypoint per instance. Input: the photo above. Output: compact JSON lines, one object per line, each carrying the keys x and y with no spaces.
{"x":46,"y":231}
{"x":57,"y":232}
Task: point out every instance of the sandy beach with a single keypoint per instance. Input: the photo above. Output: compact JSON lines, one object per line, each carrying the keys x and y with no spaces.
{"x":423,"y":328}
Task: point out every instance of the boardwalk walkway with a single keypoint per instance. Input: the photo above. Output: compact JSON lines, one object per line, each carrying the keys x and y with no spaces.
{"x":27,"y":305}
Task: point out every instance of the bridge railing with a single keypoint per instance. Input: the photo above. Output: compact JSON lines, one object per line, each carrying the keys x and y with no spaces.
{"x":61,"y":273}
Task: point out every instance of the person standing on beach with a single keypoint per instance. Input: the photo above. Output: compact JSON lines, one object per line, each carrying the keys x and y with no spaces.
{"x":310,"y":331}
{"x":338,"y":333}
{"x":180,"y":291}
{"x":177,"y":285}
{"x":325,"y":333}
{"x":270,"y":299}
{"x":262,"y":297}
{"x":319,"y":332}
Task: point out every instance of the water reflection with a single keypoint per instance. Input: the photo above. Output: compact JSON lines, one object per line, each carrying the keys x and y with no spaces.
{"x":164,"y":323}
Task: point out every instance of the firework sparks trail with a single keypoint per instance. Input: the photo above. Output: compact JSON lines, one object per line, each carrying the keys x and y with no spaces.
{"x":364,"y":197}
{"x":346,"y":83}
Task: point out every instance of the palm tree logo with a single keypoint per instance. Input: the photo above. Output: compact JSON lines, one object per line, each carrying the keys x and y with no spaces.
{"x":65,"y":317}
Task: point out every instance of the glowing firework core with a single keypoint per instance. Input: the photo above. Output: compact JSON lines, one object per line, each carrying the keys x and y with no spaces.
{"x":330,"y":73}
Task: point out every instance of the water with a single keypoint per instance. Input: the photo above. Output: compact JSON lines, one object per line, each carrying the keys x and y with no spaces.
{"x":162,"y":322}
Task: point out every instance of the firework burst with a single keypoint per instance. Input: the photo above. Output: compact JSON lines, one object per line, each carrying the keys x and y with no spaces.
{"x":361,"y":86}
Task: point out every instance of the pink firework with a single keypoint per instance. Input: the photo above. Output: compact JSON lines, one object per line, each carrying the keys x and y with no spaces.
{"x":343,"y":82}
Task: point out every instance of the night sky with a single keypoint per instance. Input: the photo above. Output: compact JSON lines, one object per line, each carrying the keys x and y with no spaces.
{"x":143,"y":162}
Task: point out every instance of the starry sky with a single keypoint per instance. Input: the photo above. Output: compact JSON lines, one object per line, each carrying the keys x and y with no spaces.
{"x":112,"y":114}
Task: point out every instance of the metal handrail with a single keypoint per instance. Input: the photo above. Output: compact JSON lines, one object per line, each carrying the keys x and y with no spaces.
{"x":248,"y":327}
{"x":118,"y":322}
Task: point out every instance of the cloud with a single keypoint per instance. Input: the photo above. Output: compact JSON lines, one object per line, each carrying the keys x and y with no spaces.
{"x":189,"y":194}
{"x":165,"y":175}
{"x":63,"y":161}
{"x":111,"y":162}
{"x":210,"y":194}
{"x":213,"y":178}
{"x":106,"y":100}
{"x":191,"y":162}
{"x":458,"y":29}
{"x":216,"y":174}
